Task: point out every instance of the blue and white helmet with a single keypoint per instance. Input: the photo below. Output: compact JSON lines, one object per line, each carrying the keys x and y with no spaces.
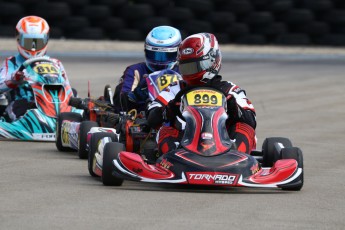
{"x":161,"y":47}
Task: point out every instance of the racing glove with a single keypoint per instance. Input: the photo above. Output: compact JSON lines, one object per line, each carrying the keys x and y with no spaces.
{"x":18,"y":77}
{"x":140,"y":93}
{"x":232,"y":107}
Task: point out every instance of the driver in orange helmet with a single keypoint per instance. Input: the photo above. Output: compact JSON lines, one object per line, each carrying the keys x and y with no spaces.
{"x":32,"y":35}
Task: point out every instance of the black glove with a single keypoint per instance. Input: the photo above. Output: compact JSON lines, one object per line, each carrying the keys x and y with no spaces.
{"x":232,"y":107}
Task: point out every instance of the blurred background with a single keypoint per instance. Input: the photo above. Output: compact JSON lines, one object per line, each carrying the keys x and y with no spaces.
{"x":250,"y":22}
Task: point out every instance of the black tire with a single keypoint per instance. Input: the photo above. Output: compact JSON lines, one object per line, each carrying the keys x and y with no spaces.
{"x":52,"y":10}
{"x":112,"y":3}
{"x":294,"y":153}
{"x":75,"y":23}
{"x":84,"y":128}
{"x":293,"y":39}
{"x":95,"y":138}
{"x":251,"y":39}
{"x":316,"y":5}
{"x":196,"y":26}
{"x":238,"y":7}
{"x":111,"y":150}
{"x":237,"y":29}
{"x":270,"y":29}
{"x":64,"y":116}
{"x":297,"y":16}
{"x":113,"y":24}
{"x":221,"y":19}
{"x":223,"y":38}
{"x":149,"y":23}
{"x":331,"y":40}
{"x":259,"y":18}
{"x":96,"y":12}
{"x":177,"y":13}
{"x":198,"y":6}
{"x":335,"y":16}
{"x":280,"y":6}
{"x":136,"y":11}
{"x":11,"y":9}
{"x":270,"y":153}
{"x":56,"y":33}
{"x":130,"y":35}
{"x":91,"y":33}
{"x":7,"y":31}
{"x":314,"y":28}
{"x":156,"y":4}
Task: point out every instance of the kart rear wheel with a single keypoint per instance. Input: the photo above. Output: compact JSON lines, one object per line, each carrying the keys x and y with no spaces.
{"x":294,"y":153}
{"x":76,"y":117}
{"x":271,"y":149}
{"x":111,"y":150}
{"x":85,"y":127}
{"x":93,"y":148}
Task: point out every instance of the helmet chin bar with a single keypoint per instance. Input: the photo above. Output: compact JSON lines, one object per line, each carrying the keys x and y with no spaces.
{"x":27,"y":54}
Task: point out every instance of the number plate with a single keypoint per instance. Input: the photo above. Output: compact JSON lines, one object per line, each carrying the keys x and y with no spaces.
{"x":165,"y":80}
{"x":45,"y":68}
{"x":204,"y":97}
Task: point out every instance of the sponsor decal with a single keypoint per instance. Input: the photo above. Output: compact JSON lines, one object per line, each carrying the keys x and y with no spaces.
{"x":69,"y":131}
{"x":64,"y":132}
{"x":102,"y":130}
{"x":255,"y":168}
{"x":165,"y":164}
{"x":137,"y":170}
{"x":206,"y":136}
{"x":187,"y":51}
{"x":44,"y":136}
{"x":212,"y":178}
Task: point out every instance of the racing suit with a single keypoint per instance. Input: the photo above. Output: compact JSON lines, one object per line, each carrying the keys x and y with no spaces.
{"x":241,"y":122}
{"x":131,"y":91}
{"x":21,"y":95}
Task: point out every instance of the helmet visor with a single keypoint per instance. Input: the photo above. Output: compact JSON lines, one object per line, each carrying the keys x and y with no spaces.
{"x":33,"y":43}
{"x":160,"y":54}
{"x":194,"y":67}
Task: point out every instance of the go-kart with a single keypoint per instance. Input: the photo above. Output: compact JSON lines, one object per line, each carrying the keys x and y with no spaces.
{"x":51,"y":95}
{"x":76,"y":132}
{"x":206,"y":155}
{"x":73,"y":128}
{"x":131,"y":127}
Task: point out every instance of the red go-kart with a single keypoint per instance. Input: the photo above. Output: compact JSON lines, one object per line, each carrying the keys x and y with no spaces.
{"x":206,"y":155}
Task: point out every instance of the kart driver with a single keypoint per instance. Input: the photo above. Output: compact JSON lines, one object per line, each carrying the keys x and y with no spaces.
{"x":32,"y":35}
{"x":161,"y":46}
{"x":200,"y":60}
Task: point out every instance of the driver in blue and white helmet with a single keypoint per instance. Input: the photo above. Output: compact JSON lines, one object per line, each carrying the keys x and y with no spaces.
{"x":161,"y":46}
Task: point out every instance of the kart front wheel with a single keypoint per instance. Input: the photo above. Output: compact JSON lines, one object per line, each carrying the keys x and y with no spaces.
{"x":271,"y":149}
{"x":70,"y":116}
{"x":84,"y":128}
{"x":111,"y":150}
{"x":93,"y":148}
{"x":296,"y":154}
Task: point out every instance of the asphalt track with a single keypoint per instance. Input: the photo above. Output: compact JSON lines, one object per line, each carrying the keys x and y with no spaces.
{"x":41,"y":188}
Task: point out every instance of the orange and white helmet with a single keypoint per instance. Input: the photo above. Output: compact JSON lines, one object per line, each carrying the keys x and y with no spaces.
{"x":32,"y":33}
